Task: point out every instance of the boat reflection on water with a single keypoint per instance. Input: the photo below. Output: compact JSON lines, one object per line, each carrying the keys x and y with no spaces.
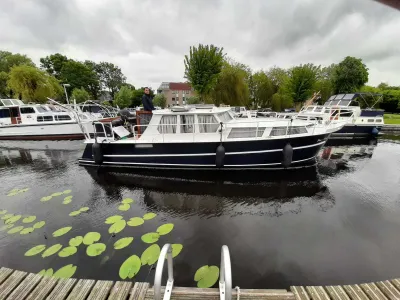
{"x":216,"y":194}
{"x":339,"y":156}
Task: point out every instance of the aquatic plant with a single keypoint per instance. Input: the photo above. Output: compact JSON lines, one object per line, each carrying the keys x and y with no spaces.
{"x":61,"y":231}
{"x":127,"y":201}
{"x":165,"y":229}
{"x":27,"y":230}
{"x":113,"y":219}
{"x":206,"y":276}
{"x":176,"y":249}
{"x":117,"y":226}
{"x":74,"y":213}
{"x":15,"y":229}
{"x":66,"y":192}
{"x":95,"y":249}
{"x":150,"y":255}
{"x":67,"y":200}
{"x":67,"y":251}
{"x":122,"y":243}
{"x":13,"y":219}
{"x":51,"y":250}
{"x":47,"y":273}
{"x":2,"y":212}
{"x":135,"y":221}
{"x":149,"y":216}
{"x":35,"y":250}
{"x":130,"y":267}
{"x":124,"y":207}
{"x":29,"y":219}
{"x":65,"y":272}
{"x":14,"y":192}
{"x":150,"y":237}
{"x":91,"y":237}
{"x":45,"y":199}
{"x":76,"y":241}
{"x":39,"y":224}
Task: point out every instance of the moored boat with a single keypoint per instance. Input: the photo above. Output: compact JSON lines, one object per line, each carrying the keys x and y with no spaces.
{"x":207,"y":138}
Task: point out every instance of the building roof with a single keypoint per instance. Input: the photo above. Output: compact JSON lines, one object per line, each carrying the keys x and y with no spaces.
{"x":181,"y":86}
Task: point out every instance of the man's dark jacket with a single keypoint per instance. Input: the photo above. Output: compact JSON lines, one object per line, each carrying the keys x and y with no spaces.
{"x":147,"y":103}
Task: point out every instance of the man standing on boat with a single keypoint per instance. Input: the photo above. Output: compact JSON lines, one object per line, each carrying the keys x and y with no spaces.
{"x":147,"y":100}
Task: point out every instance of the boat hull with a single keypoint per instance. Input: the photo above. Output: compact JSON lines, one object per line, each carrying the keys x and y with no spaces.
{"x":356,"y":131}
{"x":256,"y":154}
{"x":50,"y":131}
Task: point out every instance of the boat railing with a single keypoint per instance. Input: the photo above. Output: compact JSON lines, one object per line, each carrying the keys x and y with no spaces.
{"x":198,"y":132}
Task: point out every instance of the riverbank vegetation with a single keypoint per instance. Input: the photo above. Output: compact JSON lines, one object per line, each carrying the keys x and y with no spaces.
{"x":213,"y":74}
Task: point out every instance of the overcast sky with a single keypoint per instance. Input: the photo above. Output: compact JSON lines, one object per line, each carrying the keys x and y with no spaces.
{"x":148,"y":39}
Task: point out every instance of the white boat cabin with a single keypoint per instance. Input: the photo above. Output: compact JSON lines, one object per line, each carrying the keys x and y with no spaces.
{"x":15,"y":112}
{"x":204,"y":124}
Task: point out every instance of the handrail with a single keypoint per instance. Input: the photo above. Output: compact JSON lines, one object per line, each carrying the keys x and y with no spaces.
{"x":225,"y":275}
{"x":165,"y":251}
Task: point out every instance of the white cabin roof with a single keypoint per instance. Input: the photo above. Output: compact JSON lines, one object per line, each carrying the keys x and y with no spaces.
{"x":191,"y":110}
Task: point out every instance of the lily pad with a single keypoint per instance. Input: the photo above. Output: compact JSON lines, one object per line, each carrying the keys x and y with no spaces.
{"x":29,"y":219}
{"x":27,"y":230}
{"x":165,"y":229}
{"x":56,"y":194}
{"x":5,"y":227}
{"x":149,"y":216}
{"x":39,"y":224}
{"x":45,"y":272}
{"x":47,"y":198}
{"x":61,"y":231}
{"x":127,"y":201}
{"x":122,"y":243}
{"x":117,"y":226}
{"x":67,"y":192}
{"x":67,"y":200}
{"x":65,"y":272}
{"x":91,"y":237}
{"x":83,"y":209}
{"x":130,"y":267}
{"x":75,"y":213}
{"x":176,"y":249}
{"x":15,"y":229}
{"x":135,"y":221}
{"x":124,"y":207}
{"x":2,"y":212}
{"x":23,"y":190}
{"x":13,"y":219}
{"x":35,"y":250}
{"x":150,"y":238}
{"x":150,"y":255}
{"x":50,"y":251}
{"x":76,"y":241}
{"x":7,"y":216}
{"x":206,"y":276}
{"x":67,"y":251}
{"x":113,"y":219}
{"x":95,"y":249}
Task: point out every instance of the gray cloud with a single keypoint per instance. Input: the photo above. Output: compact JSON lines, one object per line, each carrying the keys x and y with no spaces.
{"x":148,"y":39}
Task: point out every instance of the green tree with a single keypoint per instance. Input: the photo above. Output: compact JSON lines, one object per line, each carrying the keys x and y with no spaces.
{"x":94,"y":86}
{"x":78,"y":75}
{"x":325,"y":82}
{"x":280,"y":101}
{"x":160,"y":100}
{"x":202,"y":67}
{"x":231,"y":86}
{"x":262,"y":89}
{"x":350,"y":75}
{"x":123,"y":98}
{"x":80,"y":95}
{"x":193,"y":100}
{"x":4,"y":90}
{"x":111,"y":77}
{"x":278,"y":77}
{"x":53,"y":64}
{"x":9,"y":60}
{"x":33,"y":84}
{"x":301,"y":82}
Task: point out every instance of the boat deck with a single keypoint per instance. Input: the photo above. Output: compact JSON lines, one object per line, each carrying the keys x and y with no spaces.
{"x":20,"y":285}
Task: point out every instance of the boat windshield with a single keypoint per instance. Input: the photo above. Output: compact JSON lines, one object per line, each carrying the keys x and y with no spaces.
{"x":91,"y":108}
{"x":41,"y":109}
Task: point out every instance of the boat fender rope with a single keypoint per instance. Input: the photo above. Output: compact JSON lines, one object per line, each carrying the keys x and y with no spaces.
{"x":237,"y":292}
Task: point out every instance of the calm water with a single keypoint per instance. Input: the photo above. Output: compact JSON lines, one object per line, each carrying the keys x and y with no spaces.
{"x":334,"y":224}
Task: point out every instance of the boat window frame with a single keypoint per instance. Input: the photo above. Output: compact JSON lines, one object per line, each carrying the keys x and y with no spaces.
{"x":26,"y":113}
{"x":42,"y":118}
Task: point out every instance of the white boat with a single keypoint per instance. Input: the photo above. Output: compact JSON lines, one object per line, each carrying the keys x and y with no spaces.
{"x":207,"y":138}
{"x":19,"y":121}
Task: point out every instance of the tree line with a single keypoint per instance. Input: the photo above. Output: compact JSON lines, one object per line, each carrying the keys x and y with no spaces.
{"x":219,"y":79}
{"x":21,"y":78}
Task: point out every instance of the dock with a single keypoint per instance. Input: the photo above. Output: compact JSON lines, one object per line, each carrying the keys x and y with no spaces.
{"x":18,"y":285}
{"x":390,"y":129}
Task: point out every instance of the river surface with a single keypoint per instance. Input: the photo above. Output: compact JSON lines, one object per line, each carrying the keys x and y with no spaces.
{"x":337,"y":223}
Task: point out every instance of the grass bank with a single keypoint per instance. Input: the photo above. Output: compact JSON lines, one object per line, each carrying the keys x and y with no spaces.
{"x":392,"y":118}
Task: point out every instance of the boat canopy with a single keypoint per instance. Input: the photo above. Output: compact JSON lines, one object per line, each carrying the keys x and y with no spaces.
{"x":345,"y":99}
{"x":11,"y":102}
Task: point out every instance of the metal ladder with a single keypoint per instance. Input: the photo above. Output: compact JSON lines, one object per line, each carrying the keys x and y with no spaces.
{"x":225,"y":274}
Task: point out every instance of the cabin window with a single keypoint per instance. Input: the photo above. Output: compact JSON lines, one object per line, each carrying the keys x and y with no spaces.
{"x":371,"y":120}
{"x":27,"y":110}
{"x":187,"y":123}
{"x":7,"y":102}
{"x":225,"y":117}
{"x":378,"y":120}
{"x":246,"y":132}
{"x":318,"y":109}
{"x":44,"y":118}
{"x":310,"y":108}
{"x":345,"y":113}
{"x":277,"y":131}
{"x":4,"y":113}
{"x":41,"y":109}
{"x":62,"y":118}
{"x":335,"y":102}
{"x":167,"y":124}
{"x":327,"y":110}
{"x":207,"y":123}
